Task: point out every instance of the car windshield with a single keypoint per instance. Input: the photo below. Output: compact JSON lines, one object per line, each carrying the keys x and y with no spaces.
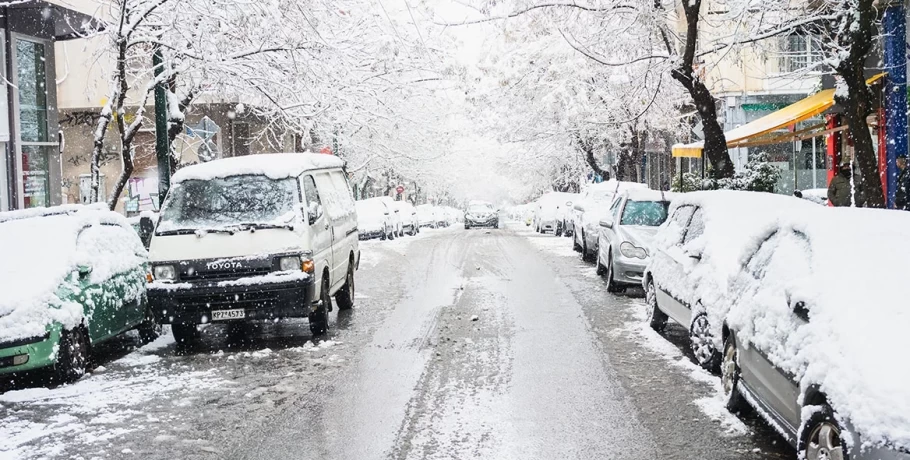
{"x":223,"y":202}
{"x":645,"y":213}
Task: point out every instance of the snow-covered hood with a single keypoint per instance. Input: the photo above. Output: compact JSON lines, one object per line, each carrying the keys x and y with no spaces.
{"x":222,"y":245}
{"x":638,"y":235}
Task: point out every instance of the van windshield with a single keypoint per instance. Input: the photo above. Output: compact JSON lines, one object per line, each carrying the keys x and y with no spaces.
{"x":227,"y":202}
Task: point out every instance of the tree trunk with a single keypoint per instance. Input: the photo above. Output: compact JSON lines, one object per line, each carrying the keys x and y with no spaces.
{"x":857,"y":103}
{"x":586,"y":146}
{"x":97,"y":148}
{"x":126,"y":154}
{"x":715,"y":149}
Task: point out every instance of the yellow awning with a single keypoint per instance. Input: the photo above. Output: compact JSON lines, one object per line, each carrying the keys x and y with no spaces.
{"x":787,"y":116}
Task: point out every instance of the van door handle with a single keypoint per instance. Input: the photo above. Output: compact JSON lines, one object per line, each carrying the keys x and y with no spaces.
{"x":327,"y":226}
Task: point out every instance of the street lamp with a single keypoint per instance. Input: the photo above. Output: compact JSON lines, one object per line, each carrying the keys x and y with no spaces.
{"x":231,"y":114}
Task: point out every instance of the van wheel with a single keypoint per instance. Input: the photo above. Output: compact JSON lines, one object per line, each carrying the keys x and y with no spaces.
{"x":184,"y":334}
{"x":345,"y":296}
{"x":319,"y":319}
{"x":73,"y":356}
{"x":149,"y":329}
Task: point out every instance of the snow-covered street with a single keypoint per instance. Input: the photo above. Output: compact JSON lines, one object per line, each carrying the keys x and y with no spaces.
{"x":464,"y":344}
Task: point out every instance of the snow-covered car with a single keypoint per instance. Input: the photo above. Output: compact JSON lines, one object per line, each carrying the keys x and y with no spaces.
{"x":590,"y":208}
{"x":551,"y":212}
{"x":626,"y":234}
{"x":254,"y":237}
{"x":394,"y":215}
{"x":373,"y":220}
{"x":694,"y":254}
{"x":426,"y":216}
{"x":72,"y":277}
{"x":817,"y":351}
{"x":481,"y":215}
{"x":815,"y":195}
{"x":410,"y":223}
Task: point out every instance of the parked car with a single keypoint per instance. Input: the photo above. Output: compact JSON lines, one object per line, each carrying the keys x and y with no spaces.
{"x":551,"y":211}
{"x":589,"y":210}
{"x":626,"y":234}
{"x":72,"y":277}
{"x":481,"y":215}
{"x":394,"y":215}
{"x":373,"y":220}
{"x":694,"y":251}
{"x":816,"y":351}
{"x":426,"y":216}
{"x":410,"y":223}
{"x":254,"y":237}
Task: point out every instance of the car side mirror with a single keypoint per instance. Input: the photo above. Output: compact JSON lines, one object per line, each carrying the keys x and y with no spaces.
{"x":607,"y":223}
{"x":693,"y":254}
{"x":146,"y":229}
{"x":579,"y":207}
{"x":801,"y":310}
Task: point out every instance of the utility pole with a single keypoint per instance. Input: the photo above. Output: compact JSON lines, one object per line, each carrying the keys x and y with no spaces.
{"x":162,"y":147}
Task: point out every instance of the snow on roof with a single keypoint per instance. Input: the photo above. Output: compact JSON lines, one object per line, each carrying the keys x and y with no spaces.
{"x":272,"y":165}
{"x":39,"y":252}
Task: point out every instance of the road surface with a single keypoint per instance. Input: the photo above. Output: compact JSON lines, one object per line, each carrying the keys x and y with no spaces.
{"x":480,"y":344}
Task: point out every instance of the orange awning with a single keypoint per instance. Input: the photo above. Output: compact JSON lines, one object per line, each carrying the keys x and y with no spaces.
{"x":787,"y":116}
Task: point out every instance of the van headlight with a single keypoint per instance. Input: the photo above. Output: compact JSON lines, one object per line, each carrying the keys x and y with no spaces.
{"x":164,"y":272}
{"x":289,"y":263}
{"x":631,"y":251}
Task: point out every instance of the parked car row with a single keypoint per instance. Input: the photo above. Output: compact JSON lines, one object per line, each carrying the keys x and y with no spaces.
{"x":432,"y":216}
{"x":385,"y":218}
{"x":797,"y":307}
{"x":237,"y":239}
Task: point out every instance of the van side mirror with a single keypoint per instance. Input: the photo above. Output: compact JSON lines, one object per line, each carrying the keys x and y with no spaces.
{"x":606,"y":223}
{"x":313,"y":212}
{"x":84,"y":271}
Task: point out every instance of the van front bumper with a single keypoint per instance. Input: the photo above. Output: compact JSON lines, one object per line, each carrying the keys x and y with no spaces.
{"x":193,"y":303}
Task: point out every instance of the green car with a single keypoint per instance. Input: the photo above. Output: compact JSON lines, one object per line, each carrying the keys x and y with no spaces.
{"x":70,"y":277}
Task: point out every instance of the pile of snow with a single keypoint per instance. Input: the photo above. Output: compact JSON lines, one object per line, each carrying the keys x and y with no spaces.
{"x":274,"y":166}
{"x":41,"y":259}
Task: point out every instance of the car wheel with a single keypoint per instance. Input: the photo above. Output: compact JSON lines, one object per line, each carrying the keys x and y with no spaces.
{"x":384,"y":236}
{"x":184,"y":334}
{"x":575,"y":246}
{"x":319,"y":319}
{"x":657,"y":319}
{"x":345,"y":296}
{"x":821,"y":437}
{"x":729,"y":377}
{"x":601,"y":270}
{"x":701,"y":340}
{"x":73,"y":356}
{"x":149,"y":329}
{"x":612,"y":286}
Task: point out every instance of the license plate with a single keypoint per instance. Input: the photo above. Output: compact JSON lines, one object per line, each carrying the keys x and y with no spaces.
{"x":222,"y":315}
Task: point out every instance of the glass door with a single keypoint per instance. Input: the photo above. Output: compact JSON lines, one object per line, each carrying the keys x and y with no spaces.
{"x":35,"y":142}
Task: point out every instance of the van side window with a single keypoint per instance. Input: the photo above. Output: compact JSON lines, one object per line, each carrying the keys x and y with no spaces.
{"x":343,"y":189}
{"x":313,"y":204}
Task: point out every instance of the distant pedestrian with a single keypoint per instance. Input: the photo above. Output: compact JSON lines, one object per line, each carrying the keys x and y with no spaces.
{"x":902,"y":192}
{"x":840,"y":192}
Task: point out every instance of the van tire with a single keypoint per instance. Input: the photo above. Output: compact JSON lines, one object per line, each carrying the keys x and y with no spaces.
{"x":184,"y":334}
{"x":345,"y":296}
{"x":319,"y":319}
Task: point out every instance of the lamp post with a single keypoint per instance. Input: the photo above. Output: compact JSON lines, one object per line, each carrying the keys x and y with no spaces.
{"x":232,"y":115}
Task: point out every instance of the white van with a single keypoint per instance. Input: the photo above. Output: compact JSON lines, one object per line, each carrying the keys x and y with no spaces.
{"x":254,"y":237}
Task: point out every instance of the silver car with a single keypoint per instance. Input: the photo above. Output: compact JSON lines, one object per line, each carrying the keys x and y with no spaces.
{"x":625,"y":235}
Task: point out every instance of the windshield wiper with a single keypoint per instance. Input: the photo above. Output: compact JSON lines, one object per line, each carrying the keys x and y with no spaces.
{"x":193,"y":231}
{"x":260,"y":226}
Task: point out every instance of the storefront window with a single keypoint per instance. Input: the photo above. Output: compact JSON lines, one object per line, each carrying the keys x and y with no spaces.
{"x":35,"y":181}
{"x":35,"y":142}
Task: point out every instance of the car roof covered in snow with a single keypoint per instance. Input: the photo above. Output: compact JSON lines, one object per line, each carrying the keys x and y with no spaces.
{"x":643,"y":194}
{"x":272,"y":165}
